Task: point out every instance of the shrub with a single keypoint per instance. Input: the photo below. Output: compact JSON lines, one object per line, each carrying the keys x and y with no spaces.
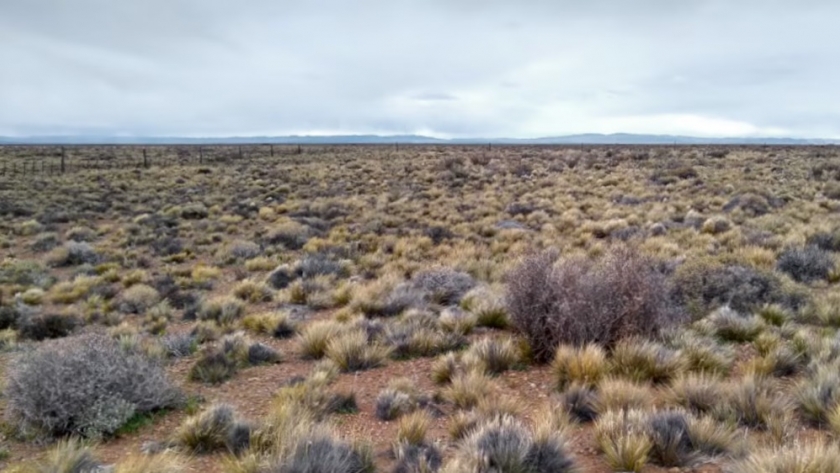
{"x":291,"y":235}
{"x":443,"y":285}
{"x":806,"y":264}
{"x":828,"y":241}
{"x":577,"y":301}
{"x":716,"y":224}
{"x":45,"y":326}
{"x":44,"y":242}
{"x":317,"y":264}
{"x":73,"y":253}
{"x":241,"y":250}
{"x":138,"y":299}
{"x":84,"y":385}
{"x":703,"y":287}
{"x":24,"y":273}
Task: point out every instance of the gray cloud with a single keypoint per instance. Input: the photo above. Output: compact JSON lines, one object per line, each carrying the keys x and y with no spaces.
{"x":449,"y":68}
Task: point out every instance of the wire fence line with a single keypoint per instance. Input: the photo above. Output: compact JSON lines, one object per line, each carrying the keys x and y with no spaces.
{"x":45,"y":160}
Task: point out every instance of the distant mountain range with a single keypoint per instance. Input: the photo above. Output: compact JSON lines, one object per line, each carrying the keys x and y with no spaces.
{"x":589,"y":138}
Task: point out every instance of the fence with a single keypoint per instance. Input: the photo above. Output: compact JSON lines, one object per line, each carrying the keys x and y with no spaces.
{"x":32,"y":160}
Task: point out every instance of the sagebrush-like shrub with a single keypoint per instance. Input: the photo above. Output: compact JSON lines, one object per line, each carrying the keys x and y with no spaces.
{"x":806,"y":264}
{"x":84,"y":385}
{"x":703,"y":287}
{"x":443,"y":285}
{"x":578,"y":301}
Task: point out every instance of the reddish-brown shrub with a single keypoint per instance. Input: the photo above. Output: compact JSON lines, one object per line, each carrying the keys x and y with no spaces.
{"x":578,"y":300}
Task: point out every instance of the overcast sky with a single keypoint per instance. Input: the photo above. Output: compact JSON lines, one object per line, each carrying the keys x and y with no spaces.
{"x":449,"y":68}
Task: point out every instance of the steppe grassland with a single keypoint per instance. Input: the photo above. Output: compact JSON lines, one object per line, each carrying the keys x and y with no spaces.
{"x":423,"y":309}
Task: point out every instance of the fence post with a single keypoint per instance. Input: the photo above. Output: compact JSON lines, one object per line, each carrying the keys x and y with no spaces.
{"x":299,"y":150}
{"x":272,"y":150}
{"x":240,"y":153}
{"x":63,"y":155}
{"x":200,"y":155}
{"x":145,"y":159}
{"x":397,"y":146}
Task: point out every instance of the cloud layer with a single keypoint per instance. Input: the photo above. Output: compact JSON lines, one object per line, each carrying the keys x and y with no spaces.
{"x":449,"y":68}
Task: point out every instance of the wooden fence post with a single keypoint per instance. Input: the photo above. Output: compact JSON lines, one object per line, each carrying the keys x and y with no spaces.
{"x":240,"y":153}
{"x":63,"y":155}
{"x":299,"y":151}
{"x":271,"y":147}
{"x":145,"y":160}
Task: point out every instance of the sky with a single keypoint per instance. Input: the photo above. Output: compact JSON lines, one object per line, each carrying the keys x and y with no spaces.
{"x":444,"y":68}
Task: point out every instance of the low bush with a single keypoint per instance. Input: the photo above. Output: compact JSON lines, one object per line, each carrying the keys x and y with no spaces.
{"x":42,"y":326}
{"x":84,"y":385}
{"x":138,"y":298}
{"x":444,"y":286}
{"x":578,"y":301}
{"x":806,"y":264}
{"x":702,"y":287}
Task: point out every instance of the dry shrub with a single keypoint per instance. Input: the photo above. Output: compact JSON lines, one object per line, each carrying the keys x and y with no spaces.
{"x":578,"y":301}
{"x":84,"y":385}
